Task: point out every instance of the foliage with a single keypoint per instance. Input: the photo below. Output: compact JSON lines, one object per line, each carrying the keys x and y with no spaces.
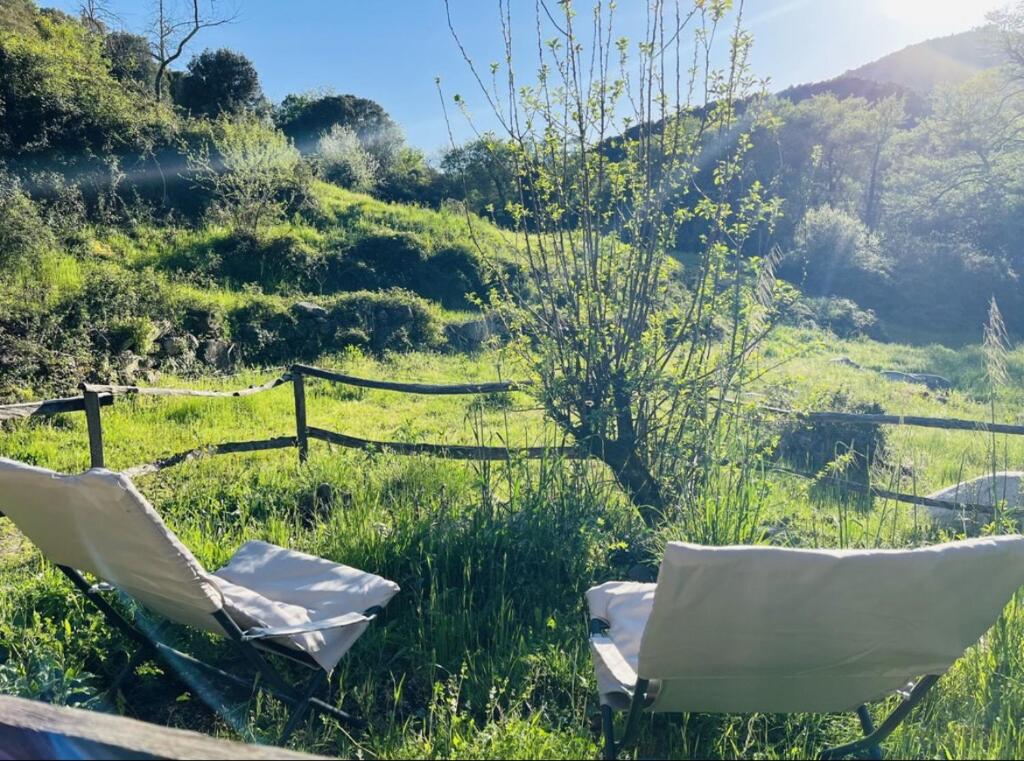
{"x":835,"y":253}
{"x":23,"y":233}
{"x":219,"y":82}
{"x":305,"y":117}
{"x":130,"y":60}
{"x":342,"y":160}
{"x":628,"y":362}
{"x":253,"y":172}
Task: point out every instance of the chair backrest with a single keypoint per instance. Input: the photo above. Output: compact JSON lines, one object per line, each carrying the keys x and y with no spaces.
{"x":743,"y":629}
{"x":98,"y":522}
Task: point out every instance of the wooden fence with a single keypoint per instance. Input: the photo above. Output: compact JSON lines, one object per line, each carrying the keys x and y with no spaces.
{"x":96,"y":396}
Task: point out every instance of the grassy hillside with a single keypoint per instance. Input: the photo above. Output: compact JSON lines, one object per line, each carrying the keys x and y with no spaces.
{"x":484,"y":653}
{"x":105,"y":303}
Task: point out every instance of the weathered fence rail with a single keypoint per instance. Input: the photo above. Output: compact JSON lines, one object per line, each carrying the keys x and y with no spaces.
{"x":30,"y":730}
{"x":49,"y":407}
{"x":94,"y":396}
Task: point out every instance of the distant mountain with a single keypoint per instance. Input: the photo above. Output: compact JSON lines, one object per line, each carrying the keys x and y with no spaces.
{"x":922,"y":66}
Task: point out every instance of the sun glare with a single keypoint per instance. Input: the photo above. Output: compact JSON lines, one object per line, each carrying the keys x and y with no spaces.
{"x":953,"y":12}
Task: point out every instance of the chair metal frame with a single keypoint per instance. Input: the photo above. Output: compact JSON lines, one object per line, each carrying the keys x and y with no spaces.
{"x":871,"y":743}
{"x":301,"y":699}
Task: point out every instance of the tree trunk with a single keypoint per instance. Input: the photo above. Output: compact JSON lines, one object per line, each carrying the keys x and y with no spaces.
{"x":634,"y":477}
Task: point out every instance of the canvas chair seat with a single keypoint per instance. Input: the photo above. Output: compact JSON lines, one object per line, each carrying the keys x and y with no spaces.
{"x":265,"y":586}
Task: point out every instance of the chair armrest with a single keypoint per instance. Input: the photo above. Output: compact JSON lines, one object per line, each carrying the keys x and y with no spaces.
{"x":608,"y":652}
{"x":338,"y":622}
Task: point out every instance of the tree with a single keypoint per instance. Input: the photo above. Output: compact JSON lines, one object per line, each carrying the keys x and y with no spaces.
{"x":1010,"y":23}
{"x":835,"y":253}
{"x":343,"y":160}
{"x":633,"y":365}
{"x":174,"y":26}
{"x":219,"y":82}
{"x":304,"y":118}
{"x":130,"y":60}
{"x":481,"y":172}
{"x":253,"y":171}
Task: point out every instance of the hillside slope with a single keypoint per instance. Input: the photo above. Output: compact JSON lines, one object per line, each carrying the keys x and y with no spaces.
{"x":921,"y":67}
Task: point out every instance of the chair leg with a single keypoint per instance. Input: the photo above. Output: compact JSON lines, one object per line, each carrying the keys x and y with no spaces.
{"x":868,"y":727}
{"x":612,"y":749}
{"x":608,"y":732}
{"x":300,"y":709}
{"x":874,"y":740}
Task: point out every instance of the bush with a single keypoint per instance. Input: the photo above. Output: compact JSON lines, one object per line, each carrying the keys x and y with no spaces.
{"x":842,"y":316}
{"x":404,"y":260}
{"x":393,"y":320}
{"x":814,"y":446}
{"x":268,"y":332}
{"x":254,"y":172}
{"x":23,"y":233}
{"x":835,"y":255}
{"x":342,"y":160}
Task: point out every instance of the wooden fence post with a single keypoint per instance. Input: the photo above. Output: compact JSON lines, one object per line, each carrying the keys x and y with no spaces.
{"x":301,"y":429}
{"x":91,"y":401}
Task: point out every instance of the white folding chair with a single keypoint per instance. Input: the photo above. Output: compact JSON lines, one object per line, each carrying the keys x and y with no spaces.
{"x":772,"y":630}
{"x":267,"y":599}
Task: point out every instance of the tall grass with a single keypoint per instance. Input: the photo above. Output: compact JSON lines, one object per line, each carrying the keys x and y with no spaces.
{"x":483,"y":653}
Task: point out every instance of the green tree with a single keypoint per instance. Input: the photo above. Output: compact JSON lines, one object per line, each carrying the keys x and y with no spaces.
{"x":631,"y":364}
{"x":219,"y":82}
{"x":252,"y":170}
{"x":305,"y":117}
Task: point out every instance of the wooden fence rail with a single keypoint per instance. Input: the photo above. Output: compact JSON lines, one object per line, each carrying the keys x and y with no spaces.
{"x":94,"y":396}
{"x":31,"y":730}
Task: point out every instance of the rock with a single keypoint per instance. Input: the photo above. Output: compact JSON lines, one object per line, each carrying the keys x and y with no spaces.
{"x":999,"y":488}
{"x":218,"y":353}
{"x":472,"y":335}
{"x":846,"y":362}
{"x":173,"y":346}
{"x":310,"y":310}
{"x":933,"y":382}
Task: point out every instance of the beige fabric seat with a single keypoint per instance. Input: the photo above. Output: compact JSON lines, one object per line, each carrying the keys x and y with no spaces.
{"x":766,"y":629}
{"x":99,"y":523}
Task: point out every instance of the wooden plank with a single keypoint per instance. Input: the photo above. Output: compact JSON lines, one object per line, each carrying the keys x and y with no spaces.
{"x":109,"y":388}
{"x":32,"y":730}
{"x":301,"y":428}
{"x":911,"y":420}
{"x":228,"y":447}
{"x":49,"y":407}
{"x":95,"y":424}
{"x":451,"y":451}
{"x":412,"y":388}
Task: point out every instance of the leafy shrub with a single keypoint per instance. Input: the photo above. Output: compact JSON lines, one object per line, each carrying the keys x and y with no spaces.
{"x":269,"y":332}
{"x":23,"y":232}
{"x":253,"y":171}
{"x":342,"y":160}
{"x":403,"y":260}
{"x":842,"y":316}
{"x":835,"y":254}
{"x":393,"y":320}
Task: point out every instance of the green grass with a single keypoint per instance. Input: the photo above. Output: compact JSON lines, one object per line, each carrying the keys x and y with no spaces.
{"x":483,"y":653}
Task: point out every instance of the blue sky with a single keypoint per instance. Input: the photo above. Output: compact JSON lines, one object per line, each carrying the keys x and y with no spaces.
{"x":392,"y":50}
